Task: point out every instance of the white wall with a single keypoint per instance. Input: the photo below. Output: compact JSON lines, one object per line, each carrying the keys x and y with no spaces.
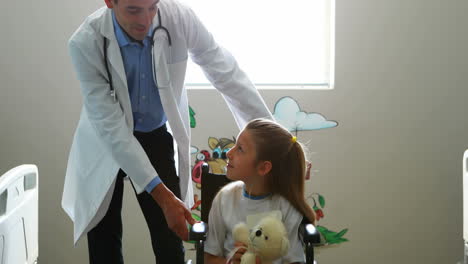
{"x":391,"y":171}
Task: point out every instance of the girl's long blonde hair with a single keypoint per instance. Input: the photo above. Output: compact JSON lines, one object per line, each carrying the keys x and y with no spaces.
{"x":275,"y":143}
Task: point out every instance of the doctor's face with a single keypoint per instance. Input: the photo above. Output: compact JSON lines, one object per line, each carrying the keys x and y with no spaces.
{"x":134,"y":16}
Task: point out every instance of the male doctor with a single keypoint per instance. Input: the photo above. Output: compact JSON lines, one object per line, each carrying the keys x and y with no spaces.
{"x":135,"y":121}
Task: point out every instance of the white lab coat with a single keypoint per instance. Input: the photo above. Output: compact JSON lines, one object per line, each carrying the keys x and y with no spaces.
{"x":104,"y":142}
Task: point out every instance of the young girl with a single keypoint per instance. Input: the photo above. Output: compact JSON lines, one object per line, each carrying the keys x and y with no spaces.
{"x":268,"y":166}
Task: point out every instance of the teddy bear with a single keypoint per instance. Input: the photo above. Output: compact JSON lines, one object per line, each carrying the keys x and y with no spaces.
{"x":268,"y":240}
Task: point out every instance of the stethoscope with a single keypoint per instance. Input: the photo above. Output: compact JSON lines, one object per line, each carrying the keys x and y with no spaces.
{"x":160,"y":26}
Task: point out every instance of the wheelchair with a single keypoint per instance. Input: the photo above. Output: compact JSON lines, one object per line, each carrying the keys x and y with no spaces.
{"x":211,"y":184}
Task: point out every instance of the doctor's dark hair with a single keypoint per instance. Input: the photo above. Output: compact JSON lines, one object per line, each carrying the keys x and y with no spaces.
{"x":275,"y":143}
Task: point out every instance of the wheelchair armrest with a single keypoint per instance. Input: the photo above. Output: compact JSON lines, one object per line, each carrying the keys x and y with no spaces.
{"x":310,"y":234}
{"x":198,"y":232}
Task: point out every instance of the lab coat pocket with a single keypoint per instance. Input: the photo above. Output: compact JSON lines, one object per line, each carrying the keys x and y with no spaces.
{"x":163,"y":78}
{"x":177,"y":72}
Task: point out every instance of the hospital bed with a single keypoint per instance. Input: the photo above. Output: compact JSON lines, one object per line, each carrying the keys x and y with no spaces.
{"x":19,"y":215}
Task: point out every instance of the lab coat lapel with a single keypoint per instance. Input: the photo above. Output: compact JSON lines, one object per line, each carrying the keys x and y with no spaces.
{"x":171,"y":104}
{"x":115,"y":60}
{"x":113,"y":49}
{"x":121,"y":86}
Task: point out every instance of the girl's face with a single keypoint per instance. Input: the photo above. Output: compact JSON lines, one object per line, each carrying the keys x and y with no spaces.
{"x":242,"y":159}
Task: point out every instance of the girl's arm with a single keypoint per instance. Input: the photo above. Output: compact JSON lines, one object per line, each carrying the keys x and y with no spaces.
{"x":216,"y":234}
{"x":212,"y":259}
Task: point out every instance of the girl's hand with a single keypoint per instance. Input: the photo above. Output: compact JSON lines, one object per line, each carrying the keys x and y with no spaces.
{"x":236,"y":259}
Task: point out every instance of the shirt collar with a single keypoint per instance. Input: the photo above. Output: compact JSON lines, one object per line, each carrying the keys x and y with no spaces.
{"x":252,"y":197}
{"x":122,"y":38}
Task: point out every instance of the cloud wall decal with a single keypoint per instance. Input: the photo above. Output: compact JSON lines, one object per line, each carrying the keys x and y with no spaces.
{"x":288,"y":113}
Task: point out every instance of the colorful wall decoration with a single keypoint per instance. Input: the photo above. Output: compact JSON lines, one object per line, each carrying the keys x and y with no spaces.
{"x":288,"y":113}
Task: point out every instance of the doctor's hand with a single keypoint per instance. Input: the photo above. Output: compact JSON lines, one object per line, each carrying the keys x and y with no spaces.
{"x":174,"y":210}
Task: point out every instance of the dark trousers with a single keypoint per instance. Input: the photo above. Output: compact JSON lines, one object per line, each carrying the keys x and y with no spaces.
{"x":105,"y":240}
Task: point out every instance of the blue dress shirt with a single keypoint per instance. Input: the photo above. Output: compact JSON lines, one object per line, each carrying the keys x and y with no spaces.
{"x":148,"y":113}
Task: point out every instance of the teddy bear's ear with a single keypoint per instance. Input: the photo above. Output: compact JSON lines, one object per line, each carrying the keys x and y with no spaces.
{"x":240,"y":233}
{"x":284,"y":246}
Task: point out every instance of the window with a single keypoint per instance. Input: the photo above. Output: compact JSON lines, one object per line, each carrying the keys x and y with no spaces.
{"x":280,"y":44}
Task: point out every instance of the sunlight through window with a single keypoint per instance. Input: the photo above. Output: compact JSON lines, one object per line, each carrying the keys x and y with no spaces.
{"x":279,"y":44}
